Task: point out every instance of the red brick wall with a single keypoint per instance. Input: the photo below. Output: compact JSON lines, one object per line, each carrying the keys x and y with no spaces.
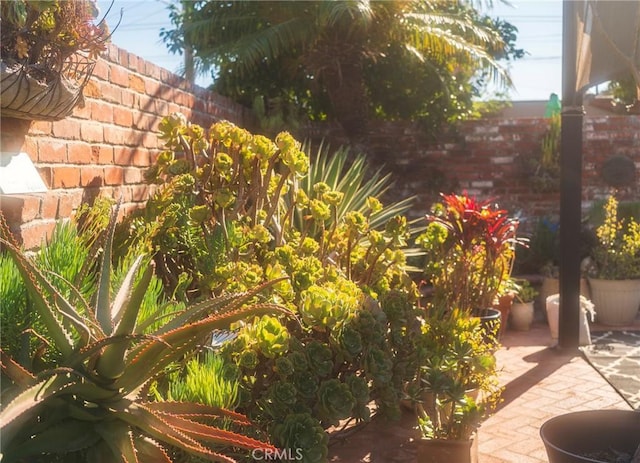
{"x":105,"y":146}
{"x":486,"y":158}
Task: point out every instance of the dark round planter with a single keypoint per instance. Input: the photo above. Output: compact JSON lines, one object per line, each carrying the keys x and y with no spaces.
{"x":490,"y":321}
{"x":588,"y":437}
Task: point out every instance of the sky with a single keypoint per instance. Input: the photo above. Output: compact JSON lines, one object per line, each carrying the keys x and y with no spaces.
{"x":535,"y":77}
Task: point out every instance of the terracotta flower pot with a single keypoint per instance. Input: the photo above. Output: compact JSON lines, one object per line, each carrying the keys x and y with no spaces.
{"x":521,"y":316}
{"x":504,"y":305}
{"x":447,"y":450}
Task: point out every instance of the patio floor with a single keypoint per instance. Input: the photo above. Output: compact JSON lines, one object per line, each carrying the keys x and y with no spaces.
{"x":539,"y":381}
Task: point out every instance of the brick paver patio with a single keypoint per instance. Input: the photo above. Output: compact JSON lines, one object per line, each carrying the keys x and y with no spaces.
{"x":539,"y":384}
{"x":539,"y":381}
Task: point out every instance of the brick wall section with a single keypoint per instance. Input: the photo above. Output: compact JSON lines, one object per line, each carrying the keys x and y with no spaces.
{"x":105,"y":146}
{"x":488,"y":158}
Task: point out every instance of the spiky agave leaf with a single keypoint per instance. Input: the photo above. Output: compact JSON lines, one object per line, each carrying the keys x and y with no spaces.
{"x":149,"y":451}
{"x":224,"y":303}
{"x":103,"y":294}
{"x":186,"y":433}
{"x":195,"y":411}
{"x":126,"y":307}
{"x":66,"y":436}
{"x":15,"y":372}
{"x":35,"y":281}
{"x":155,"y":355}
{"x":119,"y":439}
{"x":28,"y":402}
{"x":152,"y":424}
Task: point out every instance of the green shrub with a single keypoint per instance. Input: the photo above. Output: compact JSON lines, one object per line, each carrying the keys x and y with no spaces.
{"x":234,"y":210}
{"x":208,"y":380}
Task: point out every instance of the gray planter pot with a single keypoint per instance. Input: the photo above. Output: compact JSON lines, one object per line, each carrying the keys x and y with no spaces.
{"x":588,"y":437}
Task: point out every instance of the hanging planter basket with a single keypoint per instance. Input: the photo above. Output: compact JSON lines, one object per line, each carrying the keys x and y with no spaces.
{"x":34,"y":93}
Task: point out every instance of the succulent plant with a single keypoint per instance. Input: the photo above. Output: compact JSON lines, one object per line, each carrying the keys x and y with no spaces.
{"x":234,"y":210}
{"x":91,"y":400}
{"x":47,"y":33}
{"x":301,"y":431}
{"x":455,"y":361}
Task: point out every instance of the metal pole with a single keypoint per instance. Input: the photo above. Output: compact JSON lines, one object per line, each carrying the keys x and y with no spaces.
{"x":570,"y":184}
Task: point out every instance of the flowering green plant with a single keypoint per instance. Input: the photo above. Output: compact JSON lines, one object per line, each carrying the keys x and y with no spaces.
{"x":617,"y":253}
{"x":456,"y":386}
{"x":235,"y":209}
{"x":469,"y":248}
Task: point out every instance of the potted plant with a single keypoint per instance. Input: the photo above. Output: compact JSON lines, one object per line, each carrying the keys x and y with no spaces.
{"x":470,"y":249}
{"x":456,"y":388}
{"x":615,"y":268}
{"x":587,"y":313}
{"x":47,"y":55}
{"x":522,"y":310}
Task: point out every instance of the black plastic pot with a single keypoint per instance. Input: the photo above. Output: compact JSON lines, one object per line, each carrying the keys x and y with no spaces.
{"x":580,"y":437}
{"x":490,"y":321}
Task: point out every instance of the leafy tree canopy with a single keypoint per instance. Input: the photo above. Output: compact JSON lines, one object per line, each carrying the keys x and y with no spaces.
{"x":348,"y":60}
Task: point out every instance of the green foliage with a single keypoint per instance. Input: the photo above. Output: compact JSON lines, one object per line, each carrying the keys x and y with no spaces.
{"x":330,"y":370}
{"x":546,"y":168}
{"x":524,"y":291}
{"x":361,"y":189}
{"x":45,"y":34}
{"x":457,"y":364}
{"x":88,"y":399}
{"x":63,"y":259}
{"x":541,"y":254}
{"x":470,"y":248}
{"x":626,"y":210}
{"x":301,"y":431}
{"x":14,"y":317}
{"x":625,"y":92}
{"x":221,"y":199}
{"x":617,"y":254}
{"x":275,"y":113}
{"x":335,"y":248}
{"x":207,"y":380}
{"x":348,"y":61}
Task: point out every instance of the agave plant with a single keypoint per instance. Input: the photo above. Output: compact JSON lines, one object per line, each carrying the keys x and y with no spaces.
{"x":63,"y":258}
{"x":92,"y":402}
{"x":349,"y":176}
